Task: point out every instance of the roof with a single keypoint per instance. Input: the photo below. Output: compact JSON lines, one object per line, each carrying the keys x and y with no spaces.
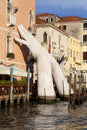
{"x":40,"y":21}
{"x":71,"y":18}
{"x":44,"y":14}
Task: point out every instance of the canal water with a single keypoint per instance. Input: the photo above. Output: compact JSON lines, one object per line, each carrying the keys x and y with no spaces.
{"x":44,"y":117}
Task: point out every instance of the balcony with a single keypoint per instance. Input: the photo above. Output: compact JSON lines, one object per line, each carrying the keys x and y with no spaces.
{"x":85,"y":28}
{"x":84,"y":43}
{"x":78,"y":61}
{"x":85,"y":61}
{"x":10,"y":55}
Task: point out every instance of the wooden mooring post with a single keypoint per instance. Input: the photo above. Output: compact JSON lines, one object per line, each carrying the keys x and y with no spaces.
{"x":11,"y":87}
{"x":69,"y":80}
{"x":79,"y":94}
{"x":28,"y":85}
{"x":13,"y":94}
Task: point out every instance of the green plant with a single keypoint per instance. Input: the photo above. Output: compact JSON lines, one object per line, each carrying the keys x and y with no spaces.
{"x":5,"y":82}
{"x":84,"y":87}
{"x":22,"y":82}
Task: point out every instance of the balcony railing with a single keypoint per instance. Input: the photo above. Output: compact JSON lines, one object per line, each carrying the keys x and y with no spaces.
{"x":84,"y":61}
{"x":84,"y":28}
{"x":84,"y":43}
{"x":10,"y":55}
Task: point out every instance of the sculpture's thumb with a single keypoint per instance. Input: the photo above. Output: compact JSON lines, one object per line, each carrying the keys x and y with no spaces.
{"x":18,"y":40}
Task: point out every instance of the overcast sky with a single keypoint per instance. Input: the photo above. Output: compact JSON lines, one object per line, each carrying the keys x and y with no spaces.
{"x":62,"y":7}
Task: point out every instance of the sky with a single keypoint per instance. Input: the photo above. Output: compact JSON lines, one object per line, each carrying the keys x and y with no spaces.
{"x":62,"y":7}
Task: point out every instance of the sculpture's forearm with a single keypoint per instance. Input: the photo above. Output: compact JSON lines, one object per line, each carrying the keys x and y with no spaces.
{"x":45,"y":83}
{"x":60,"y":80}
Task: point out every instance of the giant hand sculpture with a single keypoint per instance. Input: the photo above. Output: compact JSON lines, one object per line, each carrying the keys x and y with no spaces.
{"x":46,"y":65}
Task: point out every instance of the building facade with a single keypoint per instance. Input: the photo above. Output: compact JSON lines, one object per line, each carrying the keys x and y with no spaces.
{"x":76,"y":27}
{"x":61,"y":45}
{"x":75,"y":54}
{"x":55,"y":41}
{"x":13,"y":13}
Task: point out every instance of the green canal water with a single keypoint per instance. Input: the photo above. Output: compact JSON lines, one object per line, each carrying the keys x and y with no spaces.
{"x":44,"y":117}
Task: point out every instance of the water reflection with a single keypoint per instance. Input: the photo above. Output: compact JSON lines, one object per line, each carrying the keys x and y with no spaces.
{"x":44,"y":117}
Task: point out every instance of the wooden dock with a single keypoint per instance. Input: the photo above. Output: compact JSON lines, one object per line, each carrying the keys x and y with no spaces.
{"x":19,"y":95}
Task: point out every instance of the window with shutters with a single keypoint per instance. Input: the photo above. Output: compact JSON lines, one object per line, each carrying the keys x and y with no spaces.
{"x":64,"y":27}
{"x":46,"y":19}
{"x":32,"y":28}
{"x":31,"y":17}
{"x":51,"y":19}
{"x":85,"y":40}
{"x":45,"y":37}
{"x":11,"y":11}
{"x":10,"y":54}
{"x":84,"y":55}
{"x":84,"y":26}
{"x":9,"y":43}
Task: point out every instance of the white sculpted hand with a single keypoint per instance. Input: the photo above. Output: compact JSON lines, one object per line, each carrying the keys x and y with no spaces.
{"x":45,"y":83}
{"x":27,"y":39}
{"x":46,"y":65}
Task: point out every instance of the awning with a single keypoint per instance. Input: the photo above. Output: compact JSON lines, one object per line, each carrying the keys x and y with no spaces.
{"x":4,"y":70}
{"x":15,"y":70}
{"x":18,"y":71}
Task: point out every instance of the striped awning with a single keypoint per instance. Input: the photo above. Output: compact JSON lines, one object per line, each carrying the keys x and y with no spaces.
{"x":5,"y":70}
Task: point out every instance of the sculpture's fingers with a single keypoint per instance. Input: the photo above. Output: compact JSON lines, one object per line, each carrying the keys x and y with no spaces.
{"x":28,"y":34}
{"x":20,"y":41}
{"x":22,"y":32}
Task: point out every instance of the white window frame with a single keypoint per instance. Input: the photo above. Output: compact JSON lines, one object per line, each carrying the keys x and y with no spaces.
{"x":9,"y":47}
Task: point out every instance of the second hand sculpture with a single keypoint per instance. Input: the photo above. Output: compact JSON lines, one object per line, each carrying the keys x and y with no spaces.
{"x":47,"y":67}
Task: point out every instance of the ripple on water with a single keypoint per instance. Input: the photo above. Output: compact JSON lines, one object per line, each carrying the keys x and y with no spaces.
{"x":44,"y":117}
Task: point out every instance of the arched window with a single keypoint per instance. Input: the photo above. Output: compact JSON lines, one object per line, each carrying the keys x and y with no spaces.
{"x":45,"y":37}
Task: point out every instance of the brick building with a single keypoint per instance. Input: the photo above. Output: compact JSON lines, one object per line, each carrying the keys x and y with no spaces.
{"x":13,"y":13}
